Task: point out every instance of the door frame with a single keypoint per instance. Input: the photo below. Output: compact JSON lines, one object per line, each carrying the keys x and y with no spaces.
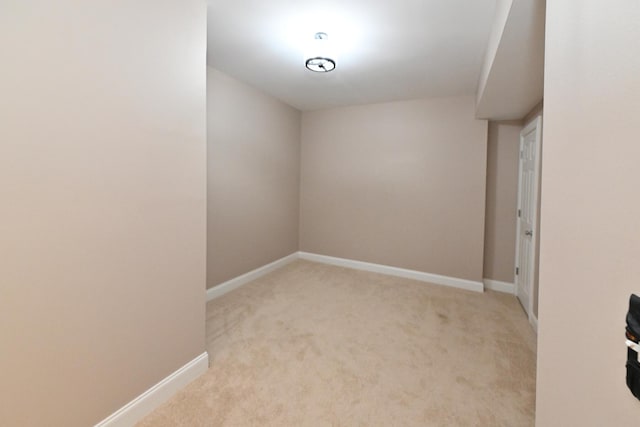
{"x":535,"y":124}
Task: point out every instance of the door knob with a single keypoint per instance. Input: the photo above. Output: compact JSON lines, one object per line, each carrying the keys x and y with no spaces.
{"x":528,"y":233}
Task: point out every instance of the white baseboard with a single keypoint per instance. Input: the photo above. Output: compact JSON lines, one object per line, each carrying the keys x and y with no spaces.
{"x":534,"y":322}
{"x":230,"y":285}
{"x":395,"y":271}
{"x":496,"y":285}
{"x":235,"y":283}
{"x":144,"y":404}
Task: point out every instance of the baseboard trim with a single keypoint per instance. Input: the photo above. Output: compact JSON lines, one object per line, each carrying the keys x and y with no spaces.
{"x":235,"y":283}
{"x":534,"y":322}
{"x":498,"y":286}
{"x":144,"y":404}
{"x":395,"y":271}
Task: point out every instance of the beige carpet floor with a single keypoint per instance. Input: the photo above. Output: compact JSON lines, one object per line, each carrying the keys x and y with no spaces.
{"x":317,"y":345}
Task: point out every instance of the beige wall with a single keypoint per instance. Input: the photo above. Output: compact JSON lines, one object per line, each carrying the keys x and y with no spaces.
{"x":535,"y":112}
{"x":500,"y":17}
{"x":401,"y":184}
{"x":590,"y":234}
{"x":253,"y":178}
{"x":102,"y":225}
{"x":502,"y":193}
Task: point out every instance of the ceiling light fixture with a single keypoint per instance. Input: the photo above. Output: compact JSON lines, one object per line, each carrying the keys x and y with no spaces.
{"x":319,"y":61}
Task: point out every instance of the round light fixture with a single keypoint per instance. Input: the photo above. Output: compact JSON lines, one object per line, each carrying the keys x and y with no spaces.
{"x":320,"y":65}
{"x":320,"y":61}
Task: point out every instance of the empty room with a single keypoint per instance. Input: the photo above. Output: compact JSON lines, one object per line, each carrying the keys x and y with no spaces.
{"x":364,"y":213}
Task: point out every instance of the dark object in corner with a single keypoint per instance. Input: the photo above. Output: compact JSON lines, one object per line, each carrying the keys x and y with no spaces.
{"x":633,"y":338}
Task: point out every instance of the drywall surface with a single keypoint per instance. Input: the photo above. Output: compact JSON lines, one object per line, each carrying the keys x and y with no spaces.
{"x":400,"y":184}
{"x":102,"y":225}
{"x":502,"y":194}
{"x":500,"y":17}
{"x":253,"y":178}
{"x":590,"y":243}
{"x":512,"y":78}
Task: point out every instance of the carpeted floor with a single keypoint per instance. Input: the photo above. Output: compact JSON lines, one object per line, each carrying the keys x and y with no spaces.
{"x":317,"y":345}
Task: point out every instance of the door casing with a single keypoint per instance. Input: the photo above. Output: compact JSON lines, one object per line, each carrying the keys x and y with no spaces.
{"x":519,"y":279}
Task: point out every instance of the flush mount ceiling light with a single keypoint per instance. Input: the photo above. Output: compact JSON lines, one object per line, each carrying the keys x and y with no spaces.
{"x":319,"y":57}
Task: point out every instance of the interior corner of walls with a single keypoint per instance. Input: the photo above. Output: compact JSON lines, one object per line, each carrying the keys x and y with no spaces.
{"x":437,"y":279}
{"x":236,"y":282}
{"x":332,"y":195}
{"x":500,"y":286}
{"x":501,"y":15}
{"x":536,"y":110}
{"x":263,"y":159}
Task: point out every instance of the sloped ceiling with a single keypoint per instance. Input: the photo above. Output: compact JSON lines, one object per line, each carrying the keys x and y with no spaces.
{"x":512,"y":77}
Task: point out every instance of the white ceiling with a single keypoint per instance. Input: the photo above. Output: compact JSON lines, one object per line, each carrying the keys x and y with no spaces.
{"x":386,"y":49}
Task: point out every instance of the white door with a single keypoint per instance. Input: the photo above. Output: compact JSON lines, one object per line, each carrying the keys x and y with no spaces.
{"x":527,"y":213}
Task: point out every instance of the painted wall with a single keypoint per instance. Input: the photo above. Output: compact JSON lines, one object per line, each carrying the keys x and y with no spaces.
{"x":401,"y":184}
{"x":512,"y":78}
{"x":502,"y":194}
{"x":102,"y":180}
{"x":500,"y":17}
{"x":535,"y":112}
{"x":253,"y":178}
{"x":590,"y":230}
